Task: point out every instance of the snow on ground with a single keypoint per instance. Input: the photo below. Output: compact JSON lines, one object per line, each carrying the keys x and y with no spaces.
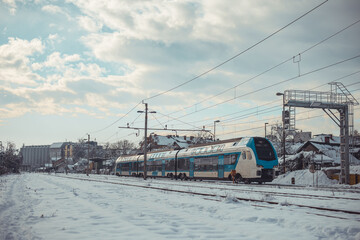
{"x":305,"y":178}
{"x":41,"y":206}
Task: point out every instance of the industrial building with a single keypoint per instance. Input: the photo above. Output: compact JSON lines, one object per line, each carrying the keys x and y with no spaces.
{"x":34,"y":157}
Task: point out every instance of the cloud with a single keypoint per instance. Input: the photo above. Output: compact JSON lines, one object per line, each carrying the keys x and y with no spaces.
{"x":106,"y":56}
{"x":61,"y":84}
{"x":13,"y":110}
{"x":52,"y":9}
{"x":89,"y":24}
{"x":12,"y":6}
{"x":14,"y":61}
{"x":60,"y":61}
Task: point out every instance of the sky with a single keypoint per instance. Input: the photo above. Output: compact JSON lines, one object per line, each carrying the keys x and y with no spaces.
{"x":75,"y":67}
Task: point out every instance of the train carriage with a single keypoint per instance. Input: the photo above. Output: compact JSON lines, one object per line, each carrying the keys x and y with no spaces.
{"x":253,"y":159}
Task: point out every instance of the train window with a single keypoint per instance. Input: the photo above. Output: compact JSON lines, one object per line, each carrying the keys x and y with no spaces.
{"x":183,"y":164}
{"x":155,"y":165}
{"x":243,"y":155}
{"x":263,"y":149}
{"x":203,"y":150}
{"x":206,"y":163}
{"x":230,"y":159}
{"x":170,"y":165}
{"x":248,"y":155}
{"x":125,"y":166}
{"x":133,"y":166}
{"x":159,"y":165}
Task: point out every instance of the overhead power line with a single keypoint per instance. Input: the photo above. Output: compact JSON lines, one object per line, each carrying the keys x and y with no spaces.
{"x":117,"y":119}
{"x":217,"y":66}
{"x":272,"y":85}
{"x":233,"y":58}
{"x":261,"y":127}
{"x":237,"y":55}
{"x":269,"y":69}
{"x":261,"y":111}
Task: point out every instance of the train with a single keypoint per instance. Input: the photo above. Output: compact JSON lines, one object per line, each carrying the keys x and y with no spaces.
{"x":248,"y":159}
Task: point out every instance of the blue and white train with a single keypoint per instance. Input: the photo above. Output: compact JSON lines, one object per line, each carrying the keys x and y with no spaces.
{"x":249,"y":159}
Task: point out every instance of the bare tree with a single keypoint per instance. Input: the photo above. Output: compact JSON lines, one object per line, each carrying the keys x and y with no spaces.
{"x":122,"y":147}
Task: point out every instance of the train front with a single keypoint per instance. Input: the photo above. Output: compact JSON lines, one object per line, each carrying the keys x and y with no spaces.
{"x":266,"y":158}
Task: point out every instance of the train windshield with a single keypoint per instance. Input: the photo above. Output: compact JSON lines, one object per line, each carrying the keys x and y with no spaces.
{"x":264,"y":149}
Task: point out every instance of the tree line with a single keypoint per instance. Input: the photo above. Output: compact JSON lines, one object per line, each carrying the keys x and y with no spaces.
{"x":10,"y":159}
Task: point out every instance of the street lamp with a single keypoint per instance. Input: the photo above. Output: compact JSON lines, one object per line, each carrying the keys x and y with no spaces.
{"x":265,"y":129}
{"x":283,"y":120}
{"x":215,"y":129}
{"x":145,"y":137}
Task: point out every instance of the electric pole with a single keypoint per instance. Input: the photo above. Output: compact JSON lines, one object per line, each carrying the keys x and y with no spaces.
{"x":145,"y":141}
{"x":88,"y":154}
{"x":145,"y":138}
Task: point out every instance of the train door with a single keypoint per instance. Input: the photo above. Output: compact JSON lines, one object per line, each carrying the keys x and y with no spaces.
{"x":191,"y":170}
{"x":221,"y":167}
{"x":163,"y":168}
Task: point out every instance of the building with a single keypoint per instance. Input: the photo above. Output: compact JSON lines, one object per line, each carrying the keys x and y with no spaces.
{"x":326,"y":148}
{"x":301,"y":137}
{"x":158,"y":142}
{"x":57,"y":151}
{"x":35,"y":157}
{"x":39,"y":156}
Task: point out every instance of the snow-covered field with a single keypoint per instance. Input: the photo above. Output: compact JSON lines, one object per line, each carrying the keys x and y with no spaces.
{"x":42,"y":206}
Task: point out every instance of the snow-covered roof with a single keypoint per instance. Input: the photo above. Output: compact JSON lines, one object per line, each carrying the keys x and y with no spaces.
{"x":321,"y":138}
{"x":321,"y":158}
{"x":181,"y":141}
{"x":57,"y":145}
{"x":331,"y":152}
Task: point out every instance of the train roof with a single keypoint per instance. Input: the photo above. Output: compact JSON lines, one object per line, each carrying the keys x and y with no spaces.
{"x":202,"y":149}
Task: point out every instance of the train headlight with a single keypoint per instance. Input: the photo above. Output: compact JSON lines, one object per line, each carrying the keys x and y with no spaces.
{"x":259,"y":166}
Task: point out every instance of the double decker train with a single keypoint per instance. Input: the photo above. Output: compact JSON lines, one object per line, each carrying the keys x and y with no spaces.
{"x":249,"y":159}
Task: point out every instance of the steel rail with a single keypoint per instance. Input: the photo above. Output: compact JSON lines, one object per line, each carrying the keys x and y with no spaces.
{"x":215,"y":195}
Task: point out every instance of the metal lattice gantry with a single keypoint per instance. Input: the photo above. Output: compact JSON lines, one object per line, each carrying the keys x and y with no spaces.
{"x":340,"y":99}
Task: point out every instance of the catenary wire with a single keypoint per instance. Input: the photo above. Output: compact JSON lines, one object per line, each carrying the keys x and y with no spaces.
{"x":269,"y":69}
{"x":228,"y":60}
{"x":272,"y":85}
{"x":242,"y":116}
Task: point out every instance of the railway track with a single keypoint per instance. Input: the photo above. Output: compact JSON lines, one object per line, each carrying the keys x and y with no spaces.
{"x":216,"y":197}
{"x":238,"y":188}
{"x":274,"y":185}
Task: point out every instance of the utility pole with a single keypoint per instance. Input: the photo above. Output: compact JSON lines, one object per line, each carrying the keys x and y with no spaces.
{"x":215,"y":129}
{"x":265,"y":128}
{"x":145,"y":141}
{"x":88,"y":154}
{"x":145,"y":138}
{"x":283,"y":132}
